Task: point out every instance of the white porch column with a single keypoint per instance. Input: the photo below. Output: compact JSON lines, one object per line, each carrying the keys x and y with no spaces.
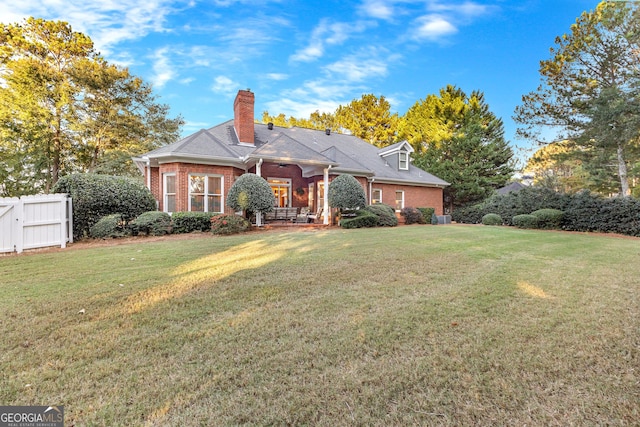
{"x":259,"y":173}
{"x":325,"y":208}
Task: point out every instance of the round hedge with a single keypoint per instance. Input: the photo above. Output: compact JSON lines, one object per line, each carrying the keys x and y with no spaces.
{"x":549,"y":218}
{"x":109,"y":226}
{"x":251,"y":193}
{"x":525,"y":221}
{"x":491,"y":219}
{"x":345,"y":192}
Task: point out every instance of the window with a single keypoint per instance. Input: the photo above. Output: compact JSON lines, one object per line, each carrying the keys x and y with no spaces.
{"x":169,"y":192}
{"x":399,"y":200}
{"x":281,"y":188}
{"x":205,"y":193}
{"x":376,"y":196}
{"x":403,"y":160}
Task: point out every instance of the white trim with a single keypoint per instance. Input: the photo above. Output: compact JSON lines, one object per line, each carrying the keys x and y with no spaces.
{"x":405,"y":161}
{"x":164,"y":191}
{"x":396,"y":200}
{"x":373,"y":199}
{"x":286,"y":182}
{"x":325,"y":208}
{"x":206,"y":193}
{"x":399,"y":147}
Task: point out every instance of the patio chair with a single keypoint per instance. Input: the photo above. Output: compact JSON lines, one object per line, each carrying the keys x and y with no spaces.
{"x":312,"y":217}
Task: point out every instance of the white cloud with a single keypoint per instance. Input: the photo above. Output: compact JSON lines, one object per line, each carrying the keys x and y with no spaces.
{"x":379,"y":9}
{"x":277,"y":76}
{"x":106,"y":22}
{"x":225,"y":86}
{"x":303,"y":108}
{"x":327,"y":33}
{"x":309,"y":53}
{"x":162,"y":69}
{"x":432,"y":27}
{"x":355,"y":69}
{"x":468,"y":8}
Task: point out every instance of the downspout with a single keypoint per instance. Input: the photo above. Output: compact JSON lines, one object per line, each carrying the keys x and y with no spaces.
{"x":259,"y":173}
{"x":149,"y":174}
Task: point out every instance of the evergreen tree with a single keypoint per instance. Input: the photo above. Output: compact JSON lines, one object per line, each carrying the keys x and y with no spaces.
{"x":468,"y":150}
{"x":590,"y":90}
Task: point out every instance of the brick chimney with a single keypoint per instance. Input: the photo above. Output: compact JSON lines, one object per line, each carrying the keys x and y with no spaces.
{"x":243,"y":116}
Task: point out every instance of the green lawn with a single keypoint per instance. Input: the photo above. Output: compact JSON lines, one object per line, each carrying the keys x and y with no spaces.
{"x":413,"y":325}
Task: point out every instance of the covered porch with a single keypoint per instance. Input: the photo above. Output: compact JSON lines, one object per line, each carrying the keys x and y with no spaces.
{"x":299,"y":179}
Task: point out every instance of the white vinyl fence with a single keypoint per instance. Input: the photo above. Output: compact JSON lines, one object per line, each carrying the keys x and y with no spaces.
{"x":30,"y":222}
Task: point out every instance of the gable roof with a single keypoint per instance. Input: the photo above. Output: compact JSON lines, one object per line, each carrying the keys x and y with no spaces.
{"x":512,"y":187}
{"x":398,"y":146}
{"x":313,"y":150}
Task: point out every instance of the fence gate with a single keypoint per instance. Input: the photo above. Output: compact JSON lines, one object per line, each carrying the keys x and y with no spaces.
{"x":32,"y":222}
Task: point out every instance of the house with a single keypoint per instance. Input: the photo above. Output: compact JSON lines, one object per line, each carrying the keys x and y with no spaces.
{"x":512,"y":187}
{"x":195,"y":173}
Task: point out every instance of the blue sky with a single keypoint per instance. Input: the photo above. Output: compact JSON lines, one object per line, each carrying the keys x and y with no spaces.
{"x":302,"y":56}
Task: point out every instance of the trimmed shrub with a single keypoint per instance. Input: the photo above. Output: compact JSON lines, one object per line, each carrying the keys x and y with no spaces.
{"x":583,"y":211}
{"x":434,"y":219}
{"x":251,"y":193}
{"x":427,"y":214}
{"x":188,"y":222}
{"x":151,"y":223}
{"x":511,"y":204}
{"x":468,"y":214}
{"x":345,"y":192}
{"x":412,"y":216}
{"x":549,"y":218}
{"x":95,"y":196}
{"x":364,"y":218}
{"x":492,"y":219}
{"x":109,"y":226}
{"x":525,"y":221}
{"x":229,"y":224}
{"x":385,"y":213}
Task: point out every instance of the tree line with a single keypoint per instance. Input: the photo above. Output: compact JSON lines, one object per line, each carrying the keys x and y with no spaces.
{"x":64,"y":109}
{"x":455,"y":136}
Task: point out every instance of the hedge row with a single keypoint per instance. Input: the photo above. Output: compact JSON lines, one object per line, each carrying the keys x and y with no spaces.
{"x":582,"y":211}
{"x":152,"y":223}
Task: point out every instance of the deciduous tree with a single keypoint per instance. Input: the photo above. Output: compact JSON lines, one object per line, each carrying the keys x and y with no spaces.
{"x":555,"y":166}
{"x":63,"y":109}
{"x":369,"y":118}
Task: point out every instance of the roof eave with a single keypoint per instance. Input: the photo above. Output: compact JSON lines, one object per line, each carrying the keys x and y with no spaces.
{"x":384,"y":180}
{"x":195,"y":158}
{"x":280,"y":159}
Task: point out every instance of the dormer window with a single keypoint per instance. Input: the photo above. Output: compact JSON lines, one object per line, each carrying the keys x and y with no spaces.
{"x":403,"y":160}
{"x":397,"y":154}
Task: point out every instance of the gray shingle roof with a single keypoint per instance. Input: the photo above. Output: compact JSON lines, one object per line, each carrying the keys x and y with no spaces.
{"x":345,"y":153}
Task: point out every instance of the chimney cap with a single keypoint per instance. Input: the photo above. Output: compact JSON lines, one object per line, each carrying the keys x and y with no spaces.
{"x":270,"y":125}
{"x":327,"y":131}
